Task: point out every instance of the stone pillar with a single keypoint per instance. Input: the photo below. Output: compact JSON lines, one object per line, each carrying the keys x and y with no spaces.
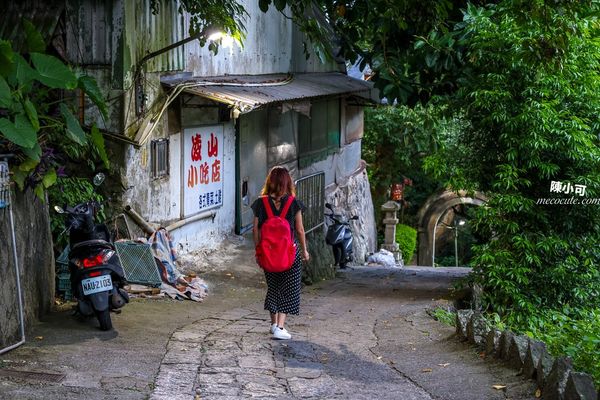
{"x":390,"y":221}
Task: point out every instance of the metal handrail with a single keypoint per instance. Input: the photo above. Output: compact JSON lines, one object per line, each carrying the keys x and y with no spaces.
{"x":16,"y":262}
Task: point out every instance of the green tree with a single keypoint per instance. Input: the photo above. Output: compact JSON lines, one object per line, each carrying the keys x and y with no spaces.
{"x":396,"y":141}
{"x":531,"y":98}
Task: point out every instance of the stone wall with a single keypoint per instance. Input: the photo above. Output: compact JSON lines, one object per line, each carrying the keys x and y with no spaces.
{"x":36,"y":263}
{"x":556,"y":378}
{"x":350,"y":197}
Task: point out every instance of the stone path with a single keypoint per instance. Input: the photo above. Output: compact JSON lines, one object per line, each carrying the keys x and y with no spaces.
{"x":363,"y":336}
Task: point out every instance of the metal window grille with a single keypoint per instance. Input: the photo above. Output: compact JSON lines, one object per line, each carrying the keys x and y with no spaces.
{"x":311,"y":191}
{"x":138,"y":263}
{"x":159,"y":153}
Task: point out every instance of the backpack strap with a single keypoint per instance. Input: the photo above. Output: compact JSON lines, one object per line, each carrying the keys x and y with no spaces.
{"x":268,"y":209}
{"x":285,"y":209}
{"x":287,"y":206}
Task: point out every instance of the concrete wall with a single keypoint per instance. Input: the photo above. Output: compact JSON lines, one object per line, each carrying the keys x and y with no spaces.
{"x":36,"y":263}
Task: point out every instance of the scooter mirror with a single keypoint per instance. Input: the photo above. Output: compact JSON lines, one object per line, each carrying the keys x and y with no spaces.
{"x":98,"y":179}
{"x":355,"y":217}
{"x":329,"y":206}
{"x":59,"y":209}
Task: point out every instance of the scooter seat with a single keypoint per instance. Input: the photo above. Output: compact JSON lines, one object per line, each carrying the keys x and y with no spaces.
{"x":97,"y":243}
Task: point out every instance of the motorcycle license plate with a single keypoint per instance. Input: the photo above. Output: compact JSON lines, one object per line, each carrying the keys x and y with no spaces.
{"x":96,"y":284}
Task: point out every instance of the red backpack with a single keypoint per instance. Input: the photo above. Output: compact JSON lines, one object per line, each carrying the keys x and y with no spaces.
{"x":276,"y":250}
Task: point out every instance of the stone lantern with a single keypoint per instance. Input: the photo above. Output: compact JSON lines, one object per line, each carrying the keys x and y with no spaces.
{"x":390,"y":221}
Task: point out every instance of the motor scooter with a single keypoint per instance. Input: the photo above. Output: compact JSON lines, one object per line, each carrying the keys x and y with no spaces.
{"x":97,"y":277}
{"x":339,"y":237}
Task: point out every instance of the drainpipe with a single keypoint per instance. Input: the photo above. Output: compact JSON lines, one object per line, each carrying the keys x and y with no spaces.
{"x":139,"y":89}
{"x":15,"y":261}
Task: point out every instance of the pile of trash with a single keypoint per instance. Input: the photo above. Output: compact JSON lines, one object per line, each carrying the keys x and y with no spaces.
{"x":168,"y":280}
{"x":385,"y":258}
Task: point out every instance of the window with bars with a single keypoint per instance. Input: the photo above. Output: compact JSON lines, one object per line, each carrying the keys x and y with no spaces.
{"x":159,"y":155}
{"x":311,"y":191}
{"x":319,"y":135}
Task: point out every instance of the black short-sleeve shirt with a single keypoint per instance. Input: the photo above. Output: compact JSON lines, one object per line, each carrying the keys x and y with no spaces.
{"x":259,"y":211}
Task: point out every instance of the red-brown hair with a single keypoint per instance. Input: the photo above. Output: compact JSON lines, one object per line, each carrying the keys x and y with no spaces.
{"x":278,"y":182}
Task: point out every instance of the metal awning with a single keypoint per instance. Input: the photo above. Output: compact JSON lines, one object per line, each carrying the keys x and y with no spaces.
{"x":249,"y":92}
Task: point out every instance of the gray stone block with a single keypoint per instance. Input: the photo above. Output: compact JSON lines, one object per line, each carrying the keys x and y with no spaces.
{"x":504,"y":345}
{"x":535,"y":348}
{"x":492,"y":341}
{"x":462,"y":319}
{"x":544,"y":366}
{"x":517,"y":351}
{"x":477,"y":328}
{"x":556,"y":382}
{"x":580,"y":386}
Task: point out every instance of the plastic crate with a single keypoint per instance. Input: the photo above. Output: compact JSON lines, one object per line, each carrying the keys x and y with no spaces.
{"x":63,"y":276}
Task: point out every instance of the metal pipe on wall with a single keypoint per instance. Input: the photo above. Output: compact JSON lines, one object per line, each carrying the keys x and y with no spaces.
{"x":138,"y":219}
{"x":197,"y":217}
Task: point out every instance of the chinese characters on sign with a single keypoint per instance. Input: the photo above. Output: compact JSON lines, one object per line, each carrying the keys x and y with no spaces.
{"x":567,"y":188}
{"x":203,"y":162}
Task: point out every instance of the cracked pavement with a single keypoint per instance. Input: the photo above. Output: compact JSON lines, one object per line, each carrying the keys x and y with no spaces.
{"x":364,"y":335}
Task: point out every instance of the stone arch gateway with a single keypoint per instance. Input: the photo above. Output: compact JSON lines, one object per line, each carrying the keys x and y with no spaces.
{"x":429,"y":216}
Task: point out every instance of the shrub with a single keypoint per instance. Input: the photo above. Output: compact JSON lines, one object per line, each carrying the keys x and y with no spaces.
{"x":69,"y":192}
{"x":571,"y":332}
{"x":406,"y":237}
{"x":444,"y":316}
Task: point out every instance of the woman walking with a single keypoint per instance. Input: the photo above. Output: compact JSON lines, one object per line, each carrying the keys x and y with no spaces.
{"x":283,"y":293}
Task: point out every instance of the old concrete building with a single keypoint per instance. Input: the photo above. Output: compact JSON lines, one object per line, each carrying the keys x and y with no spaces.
{"x":195,"y":133}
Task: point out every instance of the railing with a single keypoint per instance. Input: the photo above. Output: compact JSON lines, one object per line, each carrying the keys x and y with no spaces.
{"x":311,"y":191}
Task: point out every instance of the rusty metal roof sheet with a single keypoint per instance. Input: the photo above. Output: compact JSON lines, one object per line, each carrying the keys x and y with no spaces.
{"x":249,"y":92}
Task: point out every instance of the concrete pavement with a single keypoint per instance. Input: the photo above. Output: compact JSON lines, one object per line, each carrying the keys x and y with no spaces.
{"x":362,"y":335}
{"x":365,"y":335}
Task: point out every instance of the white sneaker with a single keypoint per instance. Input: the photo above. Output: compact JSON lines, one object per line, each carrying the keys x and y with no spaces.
{"x":273,"y":327}
{"x":281,"y":334}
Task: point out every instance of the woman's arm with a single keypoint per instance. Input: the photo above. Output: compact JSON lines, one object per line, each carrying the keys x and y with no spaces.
{"x":301,"y":236}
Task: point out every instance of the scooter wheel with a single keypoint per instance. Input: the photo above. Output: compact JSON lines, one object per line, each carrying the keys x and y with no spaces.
{"x":104,"y":320}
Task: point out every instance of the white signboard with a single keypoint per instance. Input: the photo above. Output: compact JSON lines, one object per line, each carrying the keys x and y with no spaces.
{"x":203,"y":168}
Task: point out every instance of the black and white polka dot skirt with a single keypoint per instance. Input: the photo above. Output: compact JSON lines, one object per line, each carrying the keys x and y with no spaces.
{"x":283,"y":293}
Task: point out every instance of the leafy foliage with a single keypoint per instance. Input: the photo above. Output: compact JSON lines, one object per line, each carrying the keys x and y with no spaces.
{"x":576,"y":336}
{"x":396,"y":142}
{"x":532,"y":120}
{"x":406,"y":237}
{"x":211,"y":16}
{"x":69,"y":192}
{"x":33,"y":123}
{"x":444,"y":316}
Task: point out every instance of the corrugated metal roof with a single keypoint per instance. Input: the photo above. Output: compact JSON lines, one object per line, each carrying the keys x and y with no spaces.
{"x":43,"y":14}
{"x":248,"y":92}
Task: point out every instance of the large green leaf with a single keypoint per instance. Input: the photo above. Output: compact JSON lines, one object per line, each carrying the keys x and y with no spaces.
{"x":35,"y":42}
{"x":6,"y":58}
{"x":34,"y":153}
{"x":20,"y":133}
{"x":264,"y":5}
{"x":74,"y":130}
{"x":49,"y":179}
{"x":90,"y":87}
{"x":279,"y":4}
{"x":24,"y":74}
{"x":5,"y":95}
{"x":98,"y":141}
{"x":52,"y":72}
{"x":32,"y":114}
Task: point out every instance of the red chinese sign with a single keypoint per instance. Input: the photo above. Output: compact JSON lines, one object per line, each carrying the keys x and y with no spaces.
{"x":203,"y":160}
